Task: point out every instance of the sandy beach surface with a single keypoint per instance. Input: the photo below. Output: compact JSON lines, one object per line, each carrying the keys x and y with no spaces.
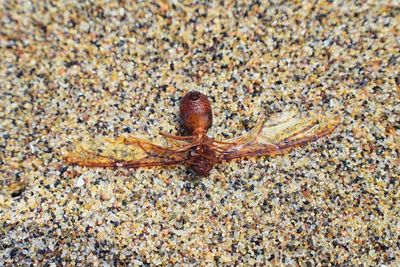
{"x":72,"y":69}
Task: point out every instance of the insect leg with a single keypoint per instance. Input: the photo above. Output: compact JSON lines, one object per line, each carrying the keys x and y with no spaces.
{"x":177,"y":137}
{"x":222,"y":142}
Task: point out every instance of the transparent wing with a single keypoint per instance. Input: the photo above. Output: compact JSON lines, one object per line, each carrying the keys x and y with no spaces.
{"x":279,"y":134}
{"x":130,"y":152}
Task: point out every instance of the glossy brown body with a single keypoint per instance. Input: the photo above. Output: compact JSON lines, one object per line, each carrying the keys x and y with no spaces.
{"x":196,"y":116}
{"x":195,"y":112}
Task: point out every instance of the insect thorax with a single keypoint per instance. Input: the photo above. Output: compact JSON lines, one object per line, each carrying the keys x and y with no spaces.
{"x":201,"y":159}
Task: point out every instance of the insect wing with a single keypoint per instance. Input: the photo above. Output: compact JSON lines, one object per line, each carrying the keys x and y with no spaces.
{"x":122,"y":152}
{"x":280,"y":133}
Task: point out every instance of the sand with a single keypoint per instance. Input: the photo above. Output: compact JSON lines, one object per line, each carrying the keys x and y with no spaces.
{"x":74,"y":70}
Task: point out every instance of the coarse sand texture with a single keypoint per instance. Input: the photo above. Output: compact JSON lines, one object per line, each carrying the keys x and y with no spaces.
{"x":77,"y":70}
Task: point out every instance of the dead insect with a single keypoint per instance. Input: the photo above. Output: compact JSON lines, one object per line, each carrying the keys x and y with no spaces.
{"x":198,"y":151}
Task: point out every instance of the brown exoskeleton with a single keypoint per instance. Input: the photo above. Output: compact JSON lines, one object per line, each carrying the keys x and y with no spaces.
{"x":198,"y":151}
